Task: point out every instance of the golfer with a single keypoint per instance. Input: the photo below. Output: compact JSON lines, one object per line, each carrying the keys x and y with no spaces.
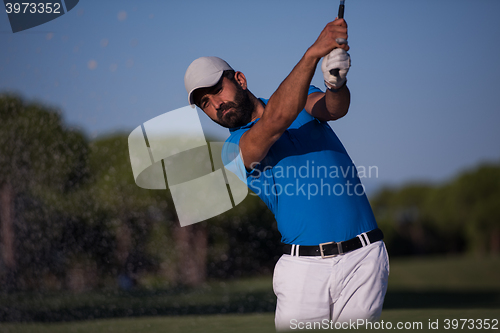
{"x":335,"y":266}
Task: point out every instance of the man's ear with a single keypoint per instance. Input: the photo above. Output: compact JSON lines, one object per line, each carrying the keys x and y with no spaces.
{"x":241,"y":79}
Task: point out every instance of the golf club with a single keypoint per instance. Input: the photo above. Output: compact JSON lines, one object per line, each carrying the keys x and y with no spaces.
{"x":341,"y":9}
{"x":335,"y":72}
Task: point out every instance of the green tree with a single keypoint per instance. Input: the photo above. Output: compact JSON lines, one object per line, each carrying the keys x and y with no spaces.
{"x":472,"y":201}
{"x":131,"y":211}
{"x":400,"y":214}
{"x":459,"y":215}
{"x":40,"y":158}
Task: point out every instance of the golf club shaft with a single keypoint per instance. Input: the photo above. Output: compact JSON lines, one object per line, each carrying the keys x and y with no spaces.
{"x":335,"y":72}
{"x":341,"y":16}
{"x":341,"y":9}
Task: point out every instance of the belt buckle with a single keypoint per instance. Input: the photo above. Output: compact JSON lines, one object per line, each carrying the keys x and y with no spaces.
{"x":339,"y":249}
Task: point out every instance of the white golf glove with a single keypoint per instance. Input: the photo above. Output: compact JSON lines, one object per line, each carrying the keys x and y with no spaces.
{"x":335,"y":66}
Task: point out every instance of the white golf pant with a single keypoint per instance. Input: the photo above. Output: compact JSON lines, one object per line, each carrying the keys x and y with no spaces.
{"x":348,"y":286}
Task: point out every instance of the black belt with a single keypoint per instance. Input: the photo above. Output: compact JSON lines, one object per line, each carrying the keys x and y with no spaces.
{"x":331,"y":249}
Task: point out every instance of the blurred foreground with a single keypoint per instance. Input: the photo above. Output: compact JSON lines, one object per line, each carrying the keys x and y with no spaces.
{"x":419,"y":290}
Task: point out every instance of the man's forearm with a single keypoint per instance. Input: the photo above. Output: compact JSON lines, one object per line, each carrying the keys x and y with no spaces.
{"x":281,"y":110}
{"x":291,"y":96}
{"x":337,"y":103}
{"x":329,"y":105}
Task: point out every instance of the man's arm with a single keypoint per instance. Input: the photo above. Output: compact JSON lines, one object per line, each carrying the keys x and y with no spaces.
{"x":290,"y":97}
{"x":329,"y":105}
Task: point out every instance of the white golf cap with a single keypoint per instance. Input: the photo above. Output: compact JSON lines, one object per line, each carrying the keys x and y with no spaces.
{"x":203,"y":72}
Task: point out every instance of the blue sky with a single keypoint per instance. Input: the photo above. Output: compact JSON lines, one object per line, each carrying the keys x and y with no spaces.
{"x":424,"y":78}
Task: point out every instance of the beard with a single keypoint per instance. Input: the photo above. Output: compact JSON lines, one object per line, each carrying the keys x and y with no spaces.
{"x":241,"y":113}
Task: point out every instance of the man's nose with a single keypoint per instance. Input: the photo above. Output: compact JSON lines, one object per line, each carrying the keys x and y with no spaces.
{"x":216,"y":101}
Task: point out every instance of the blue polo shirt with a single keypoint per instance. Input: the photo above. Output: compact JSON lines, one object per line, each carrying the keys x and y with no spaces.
{"x":308,"y":181}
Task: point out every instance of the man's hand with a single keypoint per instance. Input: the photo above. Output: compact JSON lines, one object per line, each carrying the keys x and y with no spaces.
{"x":327,"y":40}
{"x":335,"y":66}
{"x":332,"y":45}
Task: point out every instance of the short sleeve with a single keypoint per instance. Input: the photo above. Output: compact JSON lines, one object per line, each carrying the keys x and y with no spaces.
{"x":313,"y":89}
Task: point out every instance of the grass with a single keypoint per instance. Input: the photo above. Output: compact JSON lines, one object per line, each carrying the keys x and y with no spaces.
{"x":420,"y":289}
{"x":444,"y":282}
{"x":249,"y":323}
{"x":448,"y":273}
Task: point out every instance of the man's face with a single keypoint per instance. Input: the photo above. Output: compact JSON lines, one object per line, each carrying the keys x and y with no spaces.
{"x":226,"y":103}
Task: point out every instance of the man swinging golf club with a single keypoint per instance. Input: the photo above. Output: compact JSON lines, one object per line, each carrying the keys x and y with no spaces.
{"x":335,"y":265}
